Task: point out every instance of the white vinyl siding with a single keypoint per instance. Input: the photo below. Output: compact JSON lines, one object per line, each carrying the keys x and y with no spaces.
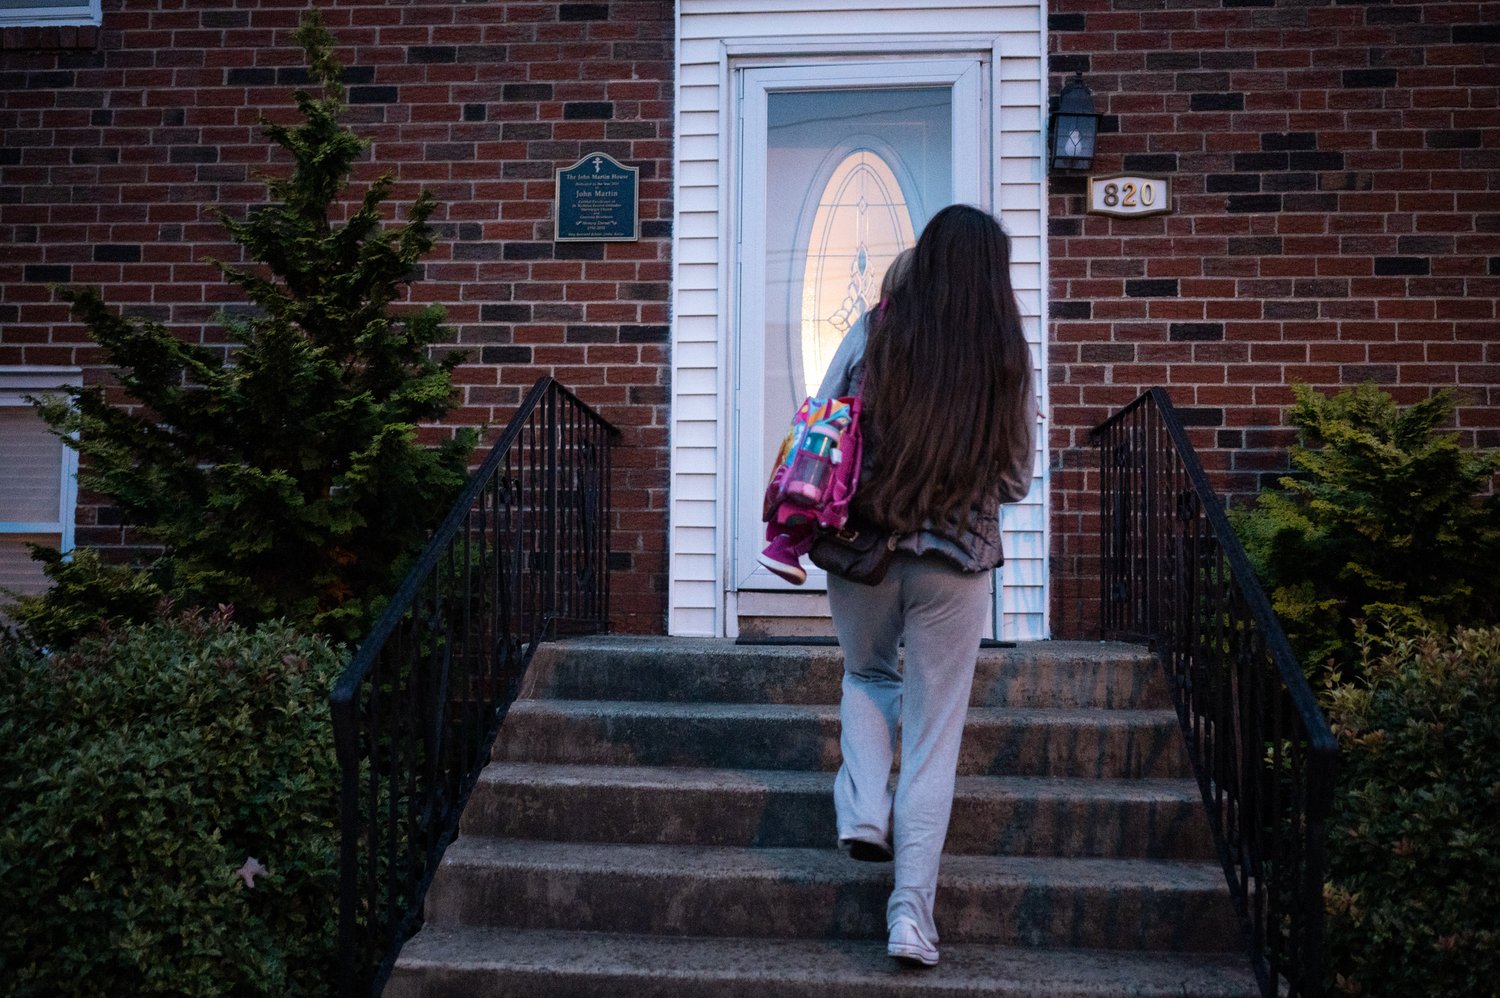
{"x":714,"y":37}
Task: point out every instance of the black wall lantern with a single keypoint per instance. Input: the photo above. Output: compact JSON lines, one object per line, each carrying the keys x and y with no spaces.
{"x":1073,"y":128}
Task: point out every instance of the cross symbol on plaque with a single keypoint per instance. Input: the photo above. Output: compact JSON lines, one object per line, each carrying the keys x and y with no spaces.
{"x":598,"y":164}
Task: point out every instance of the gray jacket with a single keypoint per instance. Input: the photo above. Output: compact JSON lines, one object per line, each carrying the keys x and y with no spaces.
{"x":974,"y":544}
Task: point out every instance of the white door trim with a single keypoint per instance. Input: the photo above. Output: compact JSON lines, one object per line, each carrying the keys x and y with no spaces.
{"x":710,"y":34}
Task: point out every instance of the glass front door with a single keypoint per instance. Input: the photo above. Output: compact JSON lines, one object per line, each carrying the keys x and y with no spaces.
{"x":842,"y":166}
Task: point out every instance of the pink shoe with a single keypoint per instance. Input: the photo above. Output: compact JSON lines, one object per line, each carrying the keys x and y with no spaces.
{"x":779,"y":557}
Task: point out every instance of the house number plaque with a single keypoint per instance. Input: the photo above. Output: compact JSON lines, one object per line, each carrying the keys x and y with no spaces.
{"x":1127,"y":196}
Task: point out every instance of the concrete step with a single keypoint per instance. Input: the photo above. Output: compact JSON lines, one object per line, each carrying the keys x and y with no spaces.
{"x":998,"y":741}
{"x":1098,"y":674}
{"x":444,"y":962}
{"x":992,"y":815}
{"x":1131,"y":904}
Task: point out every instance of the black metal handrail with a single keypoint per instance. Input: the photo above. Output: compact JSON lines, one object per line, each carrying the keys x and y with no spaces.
{"x":522,"y":555}
{"x":1174,"y":574}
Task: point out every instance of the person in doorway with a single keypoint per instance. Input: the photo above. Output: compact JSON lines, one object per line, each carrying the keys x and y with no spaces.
{"x":949,"y":427}
{"x":790,"y":531}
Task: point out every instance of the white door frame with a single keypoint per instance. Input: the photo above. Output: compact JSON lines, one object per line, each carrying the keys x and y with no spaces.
{"x":714,"y":43}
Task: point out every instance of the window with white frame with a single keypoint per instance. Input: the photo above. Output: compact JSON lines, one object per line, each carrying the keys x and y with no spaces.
{"x":38,"y":477}
{"x":49,"y":12}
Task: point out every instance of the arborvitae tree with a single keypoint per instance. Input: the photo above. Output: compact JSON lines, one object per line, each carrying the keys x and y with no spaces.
{"x":286,"y":480}
{"x":1387,"y":520}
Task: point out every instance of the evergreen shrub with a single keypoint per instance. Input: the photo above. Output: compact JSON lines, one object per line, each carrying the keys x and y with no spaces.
{"x":1414,"y":841}
{"x":87,"y":593}
{"x":1385,"y":520}
{"x":286,"y":479}
{"x":142,"y":769}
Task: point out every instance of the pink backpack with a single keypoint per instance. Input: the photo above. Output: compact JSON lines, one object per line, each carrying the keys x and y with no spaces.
{"x":817,"y":467}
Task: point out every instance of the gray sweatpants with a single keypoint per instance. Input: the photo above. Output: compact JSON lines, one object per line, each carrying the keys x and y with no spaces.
{"x":940,"y":612}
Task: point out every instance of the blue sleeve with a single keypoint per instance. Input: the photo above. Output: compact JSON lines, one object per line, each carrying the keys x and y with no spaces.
{"x":840,"y":377}
{"x":1015,"y":480}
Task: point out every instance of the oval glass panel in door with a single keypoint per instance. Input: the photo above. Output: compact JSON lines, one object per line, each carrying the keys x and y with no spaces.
{"x":860,"y":224}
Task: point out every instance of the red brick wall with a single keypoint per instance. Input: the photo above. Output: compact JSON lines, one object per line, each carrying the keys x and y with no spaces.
{"x":113,"y":148}
{"x":1336,"y":171}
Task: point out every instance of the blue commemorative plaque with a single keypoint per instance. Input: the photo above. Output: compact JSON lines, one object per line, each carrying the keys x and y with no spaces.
{"x":598,"y":200}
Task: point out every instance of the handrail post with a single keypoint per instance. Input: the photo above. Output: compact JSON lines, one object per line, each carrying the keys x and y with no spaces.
{"x":550,"y":514}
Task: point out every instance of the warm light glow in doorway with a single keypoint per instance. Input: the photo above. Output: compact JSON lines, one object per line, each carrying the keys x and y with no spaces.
{"x":862,"y":223}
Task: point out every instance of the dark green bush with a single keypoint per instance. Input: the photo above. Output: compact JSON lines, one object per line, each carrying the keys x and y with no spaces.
{"x":1414,"y":843}
{"x":142,"y":769}
{"x":1386,"y":521}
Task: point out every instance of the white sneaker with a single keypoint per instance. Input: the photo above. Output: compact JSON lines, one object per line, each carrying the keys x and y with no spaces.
{"x":907,"y":945}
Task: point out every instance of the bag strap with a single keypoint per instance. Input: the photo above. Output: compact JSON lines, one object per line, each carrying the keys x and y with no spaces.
{"x":835,"y":512}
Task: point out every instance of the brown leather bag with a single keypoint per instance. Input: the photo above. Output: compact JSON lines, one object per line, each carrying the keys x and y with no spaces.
{"x":858,"y":551}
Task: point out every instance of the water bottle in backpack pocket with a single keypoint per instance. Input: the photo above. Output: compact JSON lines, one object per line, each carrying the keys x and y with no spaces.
{"x":812,"y":466}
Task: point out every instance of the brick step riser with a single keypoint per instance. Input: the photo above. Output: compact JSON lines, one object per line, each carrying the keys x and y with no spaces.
{"x":1037,"y":749}
{"x":1081,"y":916}
{"x":1008,"y":682}
{"x":1018,"y":827}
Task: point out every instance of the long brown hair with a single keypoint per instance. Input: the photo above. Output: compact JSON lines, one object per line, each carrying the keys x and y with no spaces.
{"x":946,"y":369}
